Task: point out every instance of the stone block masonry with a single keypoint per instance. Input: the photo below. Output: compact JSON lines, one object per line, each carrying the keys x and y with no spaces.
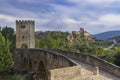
{"x":68,"y":73}
{"x":40,"y":62}
{"x":94,"y":61}
{"x":25,"y":34}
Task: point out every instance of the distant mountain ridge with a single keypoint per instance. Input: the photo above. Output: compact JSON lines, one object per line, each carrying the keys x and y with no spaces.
{"x":107,"y":35}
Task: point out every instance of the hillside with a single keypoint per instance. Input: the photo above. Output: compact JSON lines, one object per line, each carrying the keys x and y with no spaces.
{"x":77,"y":41}
{"x":107,"y":35}
{"x":117,"y":38}
{"x":80,"y":41}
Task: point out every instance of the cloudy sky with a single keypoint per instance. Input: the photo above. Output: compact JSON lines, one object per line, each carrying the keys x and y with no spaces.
{"x":95,"y":16}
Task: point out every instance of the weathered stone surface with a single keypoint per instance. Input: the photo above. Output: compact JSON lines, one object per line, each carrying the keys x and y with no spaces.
{"x":96,"y":71}
{"x":25,"y":34}
{"x":39,"y":61}
{"x":94,"y":61}
{"x":68,"y":73}
{"x":43,"y":63}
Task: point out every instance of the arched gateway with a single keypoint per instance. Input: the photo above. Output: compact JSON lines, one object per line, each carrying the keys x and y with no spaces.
{"x":41,"y":72}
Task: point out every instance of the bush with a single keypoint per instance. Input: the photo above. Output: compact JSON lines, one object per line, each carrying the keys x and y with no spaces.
{"x":12,"y":77}
{"x":117,"y":59}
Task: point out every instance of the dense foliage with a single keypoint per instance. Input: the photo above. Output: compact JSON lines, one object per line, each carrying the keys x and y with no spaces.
{"x":56,"y":40}
{"x":59,"y":40}
{"x":5,"y":55}
{"x":9,"y":34}
{"x":13,"y":77}
{"x":117,"y":59}
{"x":7,"y":46}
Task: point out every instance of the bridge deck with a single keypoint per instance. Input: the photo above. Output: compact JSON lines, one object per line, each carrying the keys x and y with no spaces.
{"x":87,"y":73}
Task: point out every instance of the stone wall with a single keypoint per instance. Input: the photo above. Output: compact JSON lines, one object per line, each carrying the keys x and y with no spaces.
{"x":68,"y":73}
{"x":37,"y":60}
{"x":94,"y":61}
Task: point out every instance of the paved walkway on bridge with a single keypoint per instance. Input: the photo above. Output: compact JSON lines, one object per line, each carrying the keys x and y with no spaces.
{"x":87,"y":73}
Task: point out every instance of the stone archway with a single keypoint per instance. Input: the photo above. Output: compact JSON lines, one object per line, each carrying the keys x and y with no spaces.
{"x":25,"y":64}
{"x":24,"y":46}
{"x":41,"y":73}
{"x":29,"y":65}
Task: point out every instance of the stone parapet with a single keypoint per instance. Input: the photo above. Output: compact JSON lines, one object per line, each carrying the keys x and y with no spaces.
{"x":68,"y":73}
{"x":94,"y":61}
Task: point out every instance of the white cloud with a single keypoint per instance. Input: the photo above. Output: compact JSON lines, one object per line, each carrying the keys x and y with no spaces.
{"x":7,"y":18}
{"x":75,"y":1}
{"x":71,"y":21}
{"x":70,"y":24}
{"x":35,"y":1}
{"x":101,"y":1}
{"x":93,"y":23}
{"x":42,"y":21}
{"x":94,"y":1}
{"x":18,"y":12}
{"x":97,"y":3}
{"x":110,"y":19}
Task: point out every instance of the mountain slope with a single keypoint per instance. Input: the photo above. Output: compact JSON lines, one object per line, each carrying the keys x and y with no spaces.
{"x":107,"y":35}
{"x":117,"y":38}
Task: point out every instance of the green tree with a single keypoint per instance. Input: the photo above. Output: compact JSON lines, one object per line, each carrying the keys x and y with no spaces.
{"x":84,"y":47}
{"x":9,"y":34}
{"x":116,"y":49}
{"x":110,"y":57}
{"x":50,"y":42}
{"x":37,"y":43}
{"x":117,"y":59}
{"x":0,"y":28}
{"x":5,"y":55}
{"x":98,"y":51}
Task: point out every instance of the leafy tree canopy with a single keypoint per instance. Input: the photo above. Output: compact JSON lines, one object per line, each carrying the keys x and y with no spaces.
{"x":5,"y":55}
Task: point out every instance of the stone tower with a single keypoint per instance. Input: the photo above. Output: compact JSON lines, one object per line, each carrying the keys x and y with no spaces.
{"x":25,"y":34}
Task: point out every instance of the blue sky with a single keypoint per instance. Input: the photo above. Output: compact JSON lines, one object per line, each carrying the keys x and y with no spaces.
{"x":95,"y":16}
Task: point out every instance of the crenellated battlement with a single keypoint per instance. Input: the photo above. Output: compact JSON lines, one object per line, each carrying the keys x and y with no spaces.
{"x":25,"y":21}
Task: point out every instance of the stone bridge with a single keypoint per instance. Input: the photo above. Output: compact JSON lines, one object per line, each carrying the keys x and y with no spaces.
{"x":39,"y":62}
{"x":59,"y":65}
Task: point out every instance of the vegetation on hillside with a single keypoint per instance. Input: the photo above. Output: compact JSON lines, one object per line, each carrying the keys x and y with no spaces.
{"x":59,"y":40}
{"x":56,"y":40}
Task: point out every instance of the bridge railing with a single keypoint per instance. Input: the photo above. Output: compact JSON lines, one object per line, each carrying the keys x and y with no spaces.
{"x":94,"y":61}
